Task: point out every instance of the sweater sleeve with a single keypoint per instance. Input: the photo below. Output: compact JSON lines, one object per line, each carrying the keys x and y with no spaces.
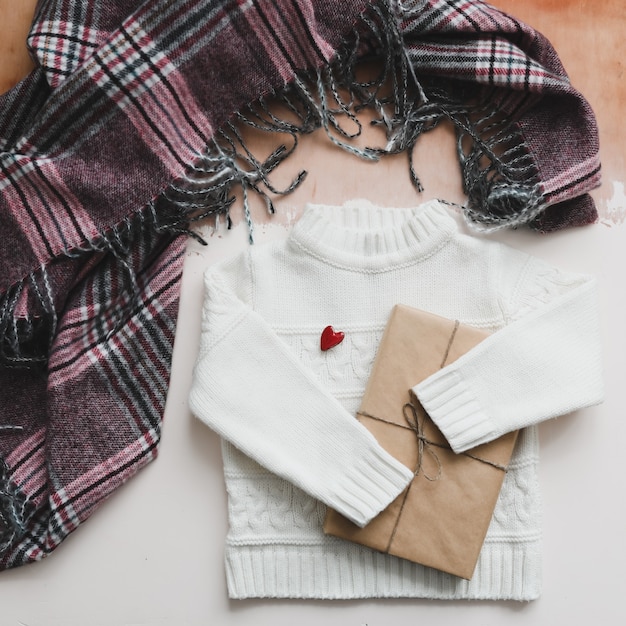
{"x":253,"y":391}
{"x":546,"y":362}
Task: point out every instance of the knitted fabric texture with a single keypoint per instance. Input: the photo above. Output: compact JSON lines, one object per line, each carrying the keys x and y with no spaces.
{"x":125,"y":133}
{"x":285,"y":408}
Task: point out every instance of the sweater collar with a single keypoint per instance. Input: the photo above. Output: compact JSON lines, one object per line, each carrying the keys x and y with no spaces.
{"x":360,"y":235}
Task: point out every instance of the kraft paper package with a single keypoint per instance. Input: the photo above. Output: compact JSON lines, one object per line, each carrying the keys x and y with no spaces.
{"x":442,"y":517}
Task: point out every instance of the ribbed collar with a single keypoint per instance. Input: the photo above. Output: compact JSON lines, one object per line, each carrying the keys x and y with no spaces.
{"x":360,"y":235}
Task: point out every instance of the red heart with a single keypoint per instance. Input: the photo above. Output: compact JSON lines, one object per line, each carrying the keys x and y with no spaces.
{"x":330,"y":338}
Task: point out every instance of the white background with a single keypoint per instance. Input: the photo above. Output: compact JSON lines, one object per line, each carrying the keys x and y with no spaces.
{"x":153,"y":553}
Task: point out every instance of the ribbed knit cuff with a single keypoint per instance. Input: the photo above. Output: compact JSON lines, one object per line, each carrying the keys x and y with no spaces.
{"x":371,"y":484}
{"x":455,"y":410}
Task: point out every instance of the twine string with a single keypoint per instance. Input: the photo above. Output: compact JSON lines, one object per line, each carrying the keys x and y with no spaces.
{"x":424,"y":446}
{"x":450,"y":342}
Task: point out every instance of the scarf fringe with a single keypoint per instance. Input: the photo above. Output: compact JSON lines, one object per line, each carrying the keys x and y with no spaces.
{"x":26,"y":339}
{"x":28,"y":309}
{"x":499,"y":177}
{"x":15,"y":510}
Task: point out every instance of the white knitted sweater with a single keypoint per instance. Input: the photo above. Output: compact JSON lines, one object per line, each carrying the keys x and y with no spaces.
{"x":285,"y":409}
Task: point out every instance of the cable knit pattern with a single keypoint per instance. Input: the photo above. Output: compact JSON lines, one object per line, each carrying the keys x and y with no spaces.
{"x":543,"y":284}
{"x":285,"y":408}
{"x":340,"y":368}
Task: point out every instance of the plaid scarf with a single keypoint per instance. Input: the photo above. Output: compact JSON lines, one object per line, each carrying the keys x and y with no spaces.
{"x":128,"y":130}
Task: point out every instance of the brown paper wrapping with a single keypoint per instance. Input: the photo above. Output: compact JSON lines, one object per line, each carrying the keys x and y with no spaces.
{"x":442,"y":517}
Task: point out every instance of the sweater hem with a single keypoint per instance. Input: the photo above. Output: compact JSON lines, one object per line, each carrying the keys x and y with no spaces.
{"x":349,"y":571}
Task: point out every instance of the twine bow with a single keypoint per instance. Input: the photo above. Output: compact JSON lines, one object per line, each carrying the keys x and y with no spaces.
{"x":424,"y":445}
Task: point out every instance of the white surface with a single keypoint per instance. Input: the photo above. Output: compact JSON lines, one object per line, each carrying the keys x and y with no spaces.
{"x":153,"y":553}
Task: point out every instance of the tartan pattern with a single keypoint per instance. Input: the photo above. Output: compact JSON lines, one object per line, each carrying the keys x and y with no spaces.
{"x":122,"y":119}
{"x":473,"y":41}
{"x":491,"y":61}
{"x":105,"y":391}
{"x":82,"y":124}
{"x":126,"y":100}
{"x":62,"y":47}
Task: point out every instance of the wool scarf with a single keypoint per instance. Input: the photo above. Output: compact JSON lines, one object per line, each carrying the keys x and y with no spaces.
{"x":129,"y":129}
